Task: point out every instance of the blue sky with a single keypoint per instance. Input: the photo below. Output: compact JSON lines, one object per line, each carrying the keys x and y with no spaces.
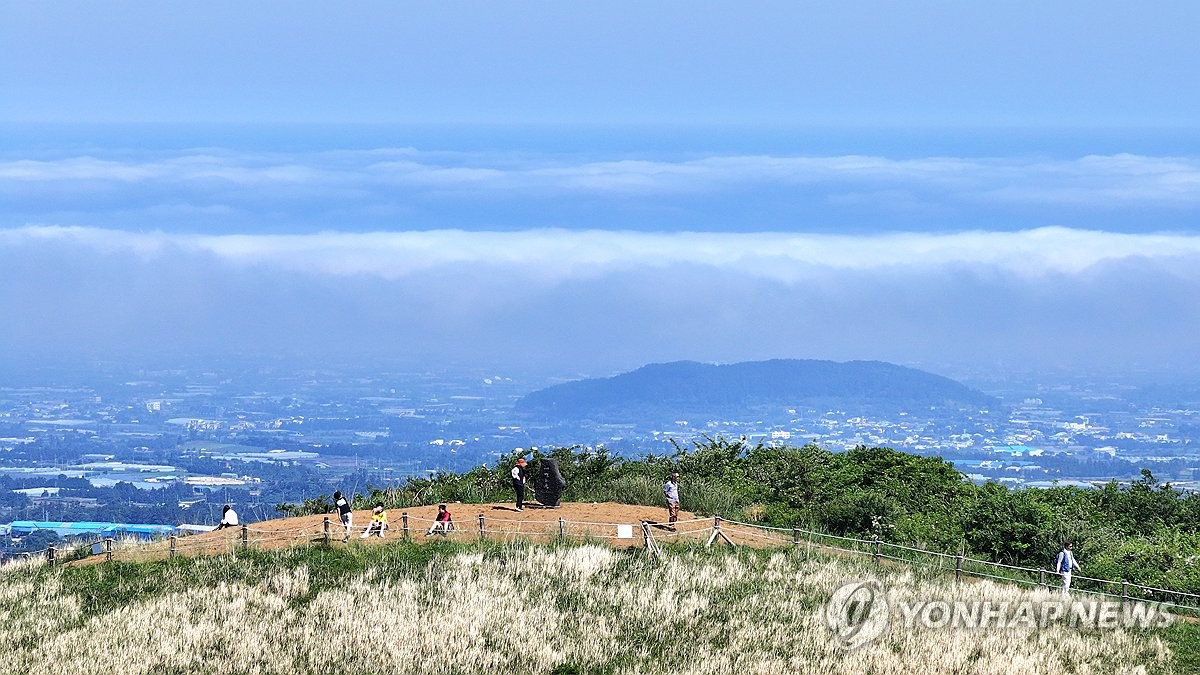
{"x":858,"y":63}
{"x":586,"y":187}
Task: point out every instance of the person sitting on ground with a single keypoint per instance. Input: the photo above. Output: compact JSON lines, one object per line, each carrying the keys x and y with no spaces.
{"x":229,"y":518}
{"x":378,"y":524}
{"x":443,"y":523}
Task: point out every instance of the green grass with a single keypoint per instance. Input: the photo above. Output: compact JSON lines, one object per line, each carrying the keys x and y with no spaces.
{"x":106,"y":587}
{"x":1184,"y":639}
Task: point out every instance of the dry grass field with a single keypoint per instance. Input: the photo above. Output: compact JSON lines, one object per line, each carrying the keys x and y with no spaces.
{"x":495,"y":607}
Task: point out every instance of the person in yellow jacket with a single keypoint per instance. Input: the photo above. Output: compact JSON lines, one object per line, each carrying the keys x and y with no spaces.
{"x":378,"y":523}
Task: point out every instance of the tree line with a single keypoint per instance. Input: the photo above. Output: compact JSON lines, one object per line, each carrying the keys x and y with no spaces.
{"x":1146,"y":532}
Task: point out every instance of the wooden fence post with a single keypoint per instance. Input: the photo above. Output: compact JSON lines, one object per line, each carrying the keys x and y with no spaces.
{"x":958,"y":565}
{"x":716,"y":530}
{"x":878,"y":552}
{"x":51,"y":554}
{"x":718,"y":534}
{"x":1042,"y":578}
{"x":795,"y":536}
{"x":245,"y":536}
{"x":108,"y":542}
{"x":562,"y":529}
{"x":651,"y":545}
{"x":404,"y":524}
{"x":481,"y":535}
{"x":1124,"y":592}
{"x":174,"y":545}
{"x":325,"y":525}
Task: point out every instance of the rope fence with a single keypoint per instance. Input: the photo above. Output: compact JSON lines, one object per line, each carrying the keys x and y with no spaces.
{"x":962,"y":566}
{"x":647,"y":534}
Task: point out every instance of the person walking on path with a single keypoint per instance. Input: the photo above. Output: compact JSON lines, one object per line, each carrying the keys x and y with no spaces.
{"x":443,"y":523}
{"x":1064,"y":564}
{"x":671,"y":492}
{"x":342,"y":506}
{"x":229,"y":518}
{"x":518,"y":483}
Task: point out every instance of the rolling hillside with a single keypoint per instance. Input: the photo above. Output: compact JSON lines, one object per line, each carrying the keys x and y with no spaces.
{"x":516,"y":608}
{"x":666,"y":390}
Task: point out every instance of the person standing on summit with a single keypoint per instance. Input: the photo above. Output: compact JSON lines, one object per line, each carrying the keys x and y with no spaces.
{"x":518,"y":483}
{"x":342,"y":506}
{"x":671,"y":491}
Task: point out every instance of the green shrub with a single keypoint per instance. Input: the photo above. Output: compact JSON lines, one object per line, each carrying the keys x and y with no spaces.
{"x":642,"y":490}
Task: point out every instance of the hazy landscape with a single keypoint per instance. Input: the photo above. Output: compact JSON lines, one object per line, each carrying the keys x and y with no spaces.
{"x":906,"y":292}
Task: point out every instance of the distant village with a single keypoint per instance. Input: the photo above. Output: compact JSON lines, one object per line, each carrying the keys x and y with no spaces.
{"x":171,"y":447}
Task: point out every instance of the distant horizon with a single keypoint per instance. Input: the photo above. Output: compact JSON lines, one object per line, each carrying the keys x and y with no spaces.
{"x":83,"y":370}
{"x":591,"y":188}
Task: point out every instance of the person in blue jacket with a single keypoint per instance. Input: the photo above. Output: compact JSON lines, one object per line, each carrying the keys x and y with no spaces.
{"x":1064,"y":564}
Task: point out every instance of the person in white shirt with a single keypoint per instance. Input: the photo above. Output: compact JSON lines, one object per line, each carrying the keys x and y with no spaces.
{"x":229,"y":518}
{"x":671,"y":492}
{"x":342,"y":506}
{"x":1064,"y":564}
{"x":518,"y":482}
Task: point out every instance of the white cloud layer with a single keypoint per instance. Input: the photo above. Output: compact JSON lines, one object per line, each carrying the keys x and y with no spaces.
{"x":562,"y":254}
{"x":591,"y":300}
{"x":405,"y":189}
{"x":1121,"y":177}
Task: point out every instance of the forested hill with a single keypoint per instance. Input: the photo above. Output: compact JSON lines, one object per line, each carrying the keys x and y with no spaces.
{"x":687,"y":386}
